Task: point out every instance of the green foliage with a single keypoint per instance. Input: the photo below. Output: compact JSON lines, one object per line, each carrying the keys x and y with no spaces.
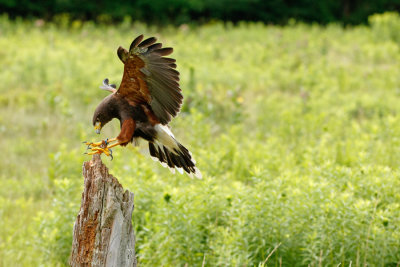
{"x":386,"y":26}
{"x":295,"y":129}
{"x":177,"y":12}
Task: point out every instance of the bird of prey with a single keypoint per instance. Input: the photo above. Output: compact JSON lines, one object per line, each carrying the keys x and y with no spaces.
{"x":147,"y":99}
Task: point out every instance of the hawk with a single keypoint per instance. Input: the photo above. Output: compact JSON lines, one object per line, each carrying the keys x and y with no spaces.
{"x":147,"y":99}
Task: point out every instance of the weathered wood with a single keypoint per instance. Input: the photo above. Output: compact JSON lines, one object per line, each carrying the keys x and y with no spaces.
{"x":103,"y":233}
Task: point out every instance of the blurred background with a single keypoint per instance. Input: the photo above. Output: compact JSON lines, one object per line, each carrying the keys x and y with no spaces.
{"x":181,"y":11}
{"x":291,"y":110}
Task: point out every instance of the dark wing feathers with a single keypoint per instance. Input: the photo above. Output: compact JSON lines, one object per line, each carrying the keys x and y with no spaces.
{"x":122,"y":54}
{"x":168,"y":60}
{"x":136,"y":42}
{"x":164,"y":51}
{"x":148,"y":42}
{"x":154,"y":47}
{"x":152,"y":78}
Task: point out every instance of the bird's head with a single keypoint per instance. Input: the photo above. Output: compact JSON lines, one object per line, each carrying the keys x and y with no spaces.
{"x":103,"y":113}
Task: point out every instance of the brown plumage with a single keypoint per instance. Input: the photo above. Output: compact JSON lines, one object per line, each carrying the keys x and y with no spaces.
{"x":147,"y":99}
{"x":151,"y":78}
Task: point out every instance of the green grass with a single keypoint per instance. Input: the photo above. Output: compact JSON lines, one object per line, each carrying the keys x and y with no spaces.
{"x":296,"y":130}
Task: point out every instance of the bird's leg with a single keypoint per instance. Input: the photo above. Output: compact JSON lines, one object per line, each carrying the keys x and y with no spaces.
{"x":98,"y":144}
{"x":113,"y":145}
{"x":126,"y":134}
{"x":103,"y":147}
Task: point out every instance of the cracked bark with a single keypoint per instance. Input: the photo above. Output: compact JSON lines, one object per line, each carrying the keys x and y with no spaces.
{"x":103,"y":233}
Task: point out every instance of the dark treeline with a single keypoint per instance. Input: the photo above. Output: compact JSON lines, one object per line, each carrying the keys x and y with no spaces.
{"x":184,"y":11}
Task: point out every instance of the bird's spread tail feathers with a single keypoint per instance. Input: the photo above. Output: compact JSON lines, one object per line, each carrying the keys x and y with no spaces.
{"x":172,"y":154}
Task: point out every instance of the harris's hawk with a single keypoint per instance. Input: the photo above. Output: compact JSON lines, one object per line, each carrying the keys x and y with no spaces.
{"x":147,"y":99}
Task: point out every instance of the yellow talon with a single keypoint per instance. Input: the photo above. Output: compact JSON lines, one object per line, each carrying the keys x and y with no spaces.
{"x":94,"y":144}
{"x":102,"y":147}
{"x":97,"y":144}
{"x":100,"y":150}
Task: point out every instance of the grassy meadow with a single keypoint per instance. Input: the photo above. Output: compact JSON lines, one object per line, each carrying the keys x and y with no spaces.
{"x":296,"y":130}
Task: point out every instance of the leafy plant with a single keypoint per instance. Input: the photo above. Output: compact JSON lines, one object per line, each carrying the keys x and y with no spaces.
{"x":294,"y":128}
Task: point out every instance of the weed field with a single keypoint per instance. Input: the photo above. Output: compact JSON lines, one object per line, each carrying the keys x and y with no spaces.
{"x":296,"y":130}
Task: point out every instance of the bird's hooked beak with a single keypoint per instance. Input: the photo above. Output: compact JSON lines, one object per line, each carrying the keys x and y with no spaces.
{"x":97,"y":127}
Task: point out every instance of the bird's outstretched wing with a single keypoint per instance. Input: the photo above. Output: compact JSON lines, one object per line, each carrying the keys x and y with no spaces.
{"x":151,"y":78}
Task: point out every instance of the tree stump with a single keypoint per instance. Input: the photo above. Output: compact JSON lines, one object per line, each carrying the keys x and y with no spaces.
{"x":103,"y":233}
